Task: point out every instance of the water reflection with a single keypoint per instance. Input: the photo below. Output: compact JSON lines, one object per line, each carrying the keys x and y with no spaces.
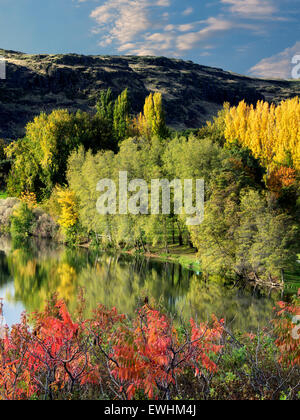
{"x":31,"y":272}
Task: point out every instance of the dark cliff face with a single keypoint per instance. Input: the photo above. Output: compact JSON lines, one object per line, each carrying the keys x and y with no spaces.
{"x":192,"y":93}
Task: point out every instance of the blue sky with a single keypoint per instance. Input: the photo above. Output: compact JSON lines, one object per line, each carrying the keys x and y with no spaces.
{"x":257,"y":37}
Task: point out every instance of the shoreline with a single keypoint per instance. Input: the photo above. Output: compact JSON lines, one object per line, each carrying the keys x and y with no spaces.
{"x":188,"y":261}
{"x":187,"y":258}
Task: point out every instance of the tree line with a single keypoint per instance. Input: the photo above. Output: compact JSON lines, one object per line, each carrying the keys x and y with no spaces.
{"x":248,"y":157}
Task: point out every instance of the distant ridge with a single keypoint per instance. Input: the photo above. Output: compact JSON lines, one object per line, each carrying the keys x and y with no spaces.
{"x":192,"y":93}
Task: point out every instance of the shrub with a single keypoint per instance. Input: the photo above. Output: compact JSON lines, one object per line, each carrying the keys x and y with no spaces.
{"x":59,"y":357}
{"x":7,"y":208}
{"x":51,"y":356}
{"x":288,"y":331}
{"x":22,"y":221}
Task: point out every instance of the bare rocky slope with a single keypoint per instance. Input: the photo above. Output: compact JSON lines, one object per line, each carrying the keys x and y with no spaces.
{"x":192,"y":93}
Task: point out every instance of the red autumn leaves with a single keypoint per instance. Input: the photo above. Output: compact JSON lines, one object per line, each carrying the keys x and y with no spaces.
{"x":54,"y":357}
{"x":145,"y":354}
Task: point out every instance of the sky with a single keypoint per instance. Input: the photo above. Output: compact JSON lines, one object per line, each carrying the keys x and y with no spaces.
{"x":253,"y":37}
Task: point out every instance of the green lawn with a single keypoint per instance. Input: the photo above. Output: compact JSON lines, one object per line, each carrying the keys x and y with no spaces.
{"x":3,"y":194}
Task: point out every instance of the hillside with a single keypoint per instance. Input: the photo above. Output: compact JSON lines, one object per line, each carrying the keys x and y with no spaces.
{"x":192,"y":93}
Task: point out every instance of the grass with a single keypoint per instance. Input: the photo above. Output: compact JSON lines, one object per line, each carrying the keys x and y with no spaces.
{"x":3,"y":194}
{"x":187,"y":257}
{"x":183,"y":255}
{"x":292,"y":280}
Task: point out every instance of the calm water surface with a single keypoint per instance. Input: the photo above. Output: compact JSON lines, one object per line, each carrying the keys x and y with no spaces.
{"x":31,"y":272}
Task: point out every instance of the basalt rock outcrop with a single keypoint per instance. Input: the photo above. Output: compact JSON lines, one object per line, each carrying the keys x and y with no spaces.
{"x":192,"y":93}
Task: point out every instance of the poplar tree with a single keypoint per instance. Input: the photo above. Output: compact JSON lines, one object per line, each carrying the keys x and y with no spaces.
{"x":271,"y":132}
{"x":152,"y":122}
{"x":121,"y":116}
{"x":105,"y":106}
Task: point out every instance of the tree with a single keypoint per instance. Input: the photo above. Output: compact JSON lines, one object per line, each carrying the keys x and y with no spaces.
{"x":5,"y":164}
{"x":215,"y":129}
{"x":105,"y":106}
{"x":266,"y":239}
{"x":188,"y":158}
{"x":40,"y":159}
{"x":215,"y":237}
{"x":152,"y":122}
{"x":68,"y":214}
{"x":271,"y":132}
{"x":114,"y":114}
{"x":121,"y":116}
{"x":281,"y":178}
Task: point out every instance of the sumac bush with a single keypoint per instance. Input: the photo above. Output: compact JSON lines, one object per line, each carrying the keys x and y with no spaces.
{"x":51,"y":356}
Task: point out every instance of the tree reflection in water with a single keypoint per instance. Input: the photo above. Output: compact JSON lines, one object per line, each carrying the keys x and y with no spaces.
{"x":38,"y":269}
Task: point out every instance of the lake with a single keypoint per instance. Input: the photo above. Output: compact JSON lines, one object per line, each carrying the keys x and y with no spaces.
{"x":31,"y":272}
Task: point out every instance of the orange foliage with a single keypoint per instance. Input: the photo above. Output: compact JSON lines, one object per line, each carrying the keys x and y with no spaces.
{"x":146,"y":354}
{"x":29,"y":198}
{"x":281,"y":178}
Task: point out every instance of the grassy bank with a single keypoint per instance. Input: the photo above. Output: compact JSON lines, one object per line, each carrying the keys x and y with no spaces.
{"x":183,"y":255}
{"x":187,"y":257}
{"x":292,"y":280}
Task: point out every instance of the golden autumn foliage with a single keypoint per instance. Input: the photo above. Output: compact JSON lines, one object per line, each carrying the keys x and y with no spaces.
{"x":271,"y":132}
{"x":67,"y":201}
{"x":152,"y":121}
{"x":29,"y":198}
{"x":66,"y":286}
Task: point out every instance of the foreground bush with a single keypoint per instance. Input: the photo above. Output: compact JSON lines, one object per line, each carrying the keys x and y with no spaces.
{"x":110,"y":356}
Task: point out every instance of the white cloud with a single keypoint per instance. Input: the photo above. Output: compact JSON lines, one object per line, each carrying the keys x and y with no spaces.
{"x":146,"y":27}
{"x":278,"y":66}
{"x":188,"y":11}
{"x":124,"y":19}
{"x":186,"y":27}
{"x":213,"y":25}
{"x":251,"y":8}
{"x":127,"y":23}
{"x":163,"y":3}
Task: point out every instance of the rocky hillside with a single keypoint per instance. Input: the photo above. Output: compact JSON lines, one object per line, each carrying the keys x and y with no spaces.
{"x":192,"y":93}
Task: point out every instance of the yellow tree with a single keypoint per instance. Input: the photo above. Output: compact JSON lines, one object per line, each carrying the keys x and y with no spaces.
{"x":69,"y":214}
{"x":152,"y":121}
{"x":271,"y":132}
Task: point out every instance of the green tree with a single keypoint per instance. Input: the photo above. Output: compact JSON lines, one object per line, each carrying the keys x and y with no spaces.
{"x":4,"y":165}
{"x":215,"y":237}
{"x":215,"y":129}
{"x":40,"y":159}
{"x":114,"y":114}
{"x":121,"y":116}
{"x":21,"y":221}
{"x":105,"y":106}
{"x":191,"y":157}
{"x":266,"y":238}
